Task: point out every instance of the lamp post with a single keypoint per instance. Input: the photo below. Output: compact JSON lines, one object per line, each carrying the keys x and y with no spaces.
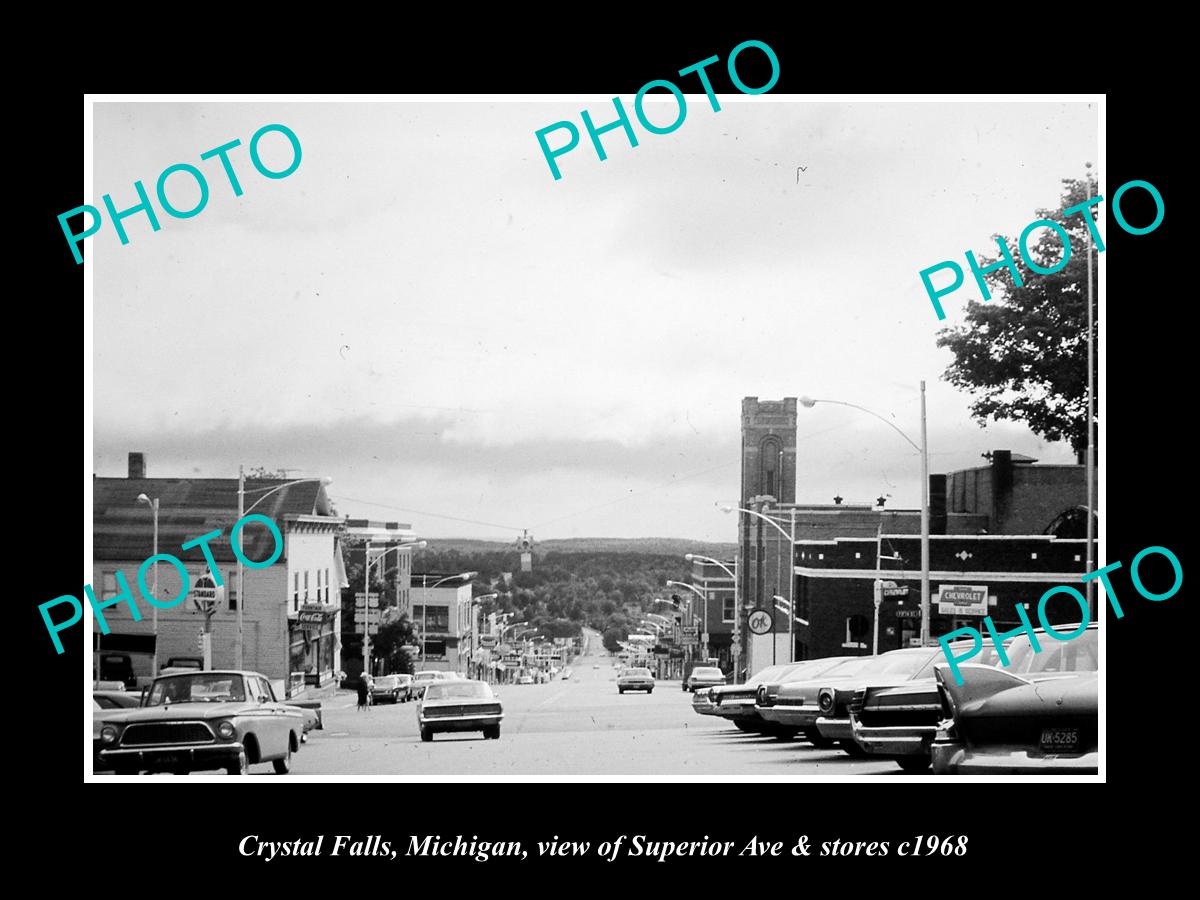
{"x":416,"y":545}
{"x":791,"y":536}
{"x":704,"y":597}
{"x":1091,"y":446}
{"x":732,"y":573}
{"x":465,"y":576}
{"x":923,"y":450}
{"x":242,"y":511}
{"x":474,"y":602}
{"x":153,"y":504}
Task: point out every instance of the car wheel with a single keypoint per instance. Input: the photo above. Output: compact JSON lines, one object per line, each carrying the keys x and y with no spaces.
{"x":743,"y":726}
{"x":283,"y":766}
{"x":815,"y":738}
{"x":914,"y":765}
{"x":426,"y":734}
{"x":241,"y":767}
{"x":126,"y":770}
{"x":649,"y":690}
{"x":852,"y":749}
{"x":620,"y":690}
{"x":492,"y":733}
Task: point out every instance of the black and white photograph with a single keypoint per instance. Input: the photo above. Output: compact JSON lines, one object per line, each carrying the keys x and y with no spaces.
{"x":532,"y":438}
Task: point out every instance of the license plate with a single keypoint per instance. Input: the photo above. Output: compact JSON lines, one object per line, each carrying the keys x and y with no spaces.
{"x":167,"y":760}
{"x":1060,"y":740}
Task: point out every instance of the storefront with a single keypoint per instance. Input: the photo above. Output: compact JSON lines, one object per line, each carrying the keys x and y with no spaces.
{"x":313,"y":633}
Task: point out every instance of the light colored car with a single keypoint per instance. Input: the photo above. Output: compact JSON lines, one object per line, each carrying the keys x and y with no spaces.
{"x":704,"y":677}
{"x":738,"y":702}
{"x":525,"y":679}
{"x":423,"y":679}
{"x":635,"y":679}
{"x":223,"y":719}
{"x":794,"y":704}
{"x":459,"y":705}
{"x":388,"y":689}
{"x":105,"y":705}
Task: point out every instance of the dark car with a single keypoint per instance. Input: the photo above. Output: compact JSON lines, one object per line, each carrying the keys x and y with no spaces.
{"x":389,"y":689}
{"x":788,"y":704}
{"x":1039,"y":715}
{"x":185,"y":662}
{"x":737,"y":702}
{"x":117,"y":667}
{"x":704,"y":677}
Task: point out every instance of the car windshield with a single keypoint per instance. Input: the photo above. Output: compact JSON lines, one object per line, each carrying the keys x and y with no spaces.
{"x":425,"y":676}
{"x":899,"y":663}
{"x":385,"y":681}
{"x":852,"y":666}
{"x":1081,"y":654}
{"x":458,"y":690}
{"x":708,"y":673}
{"x":638,"y":673}
{"x":203,"y":687}
{"x":987,"y":656}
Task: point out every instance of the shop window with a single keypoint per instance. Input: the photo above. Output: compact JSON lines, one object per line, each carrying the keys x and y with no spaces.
{"x":306,"y":585}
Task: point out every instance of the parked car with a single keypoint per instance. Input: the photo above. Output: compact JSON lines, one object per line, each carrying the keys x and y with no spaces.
{"x":185,"y":662}
{"x":310,"y":710}
{"x":191,"y":721}
{"x":635,"y":679}
{"x":117,"y":667}
{"x":106,"y":704}
{"x":1038,"y":715}
{"x":703,"y":677}
{"x":900,"y":721}
{"x":388,"y":688}
{"x":793,"y":704}
{"x":459,"y":705}
{"x":893,"y":667}
{"x":738,"y":702}
{"x":525,"y":679}
{"x":702,"y":702}
{"x":117,"y":699}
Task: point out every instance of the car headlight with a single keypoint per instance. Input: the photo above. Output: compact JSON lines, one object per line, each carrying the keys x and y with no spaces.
{"x":825,"y":700}
{"x":108,"y":734}
{"x":226,"y":731}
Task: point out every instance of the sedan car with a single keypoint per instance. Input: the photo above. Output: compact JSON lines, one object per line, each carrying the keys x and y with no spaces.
{"x":106,"y":704}
{"x":388,"y":689}
{"x":459,"y":705}
{"x":191,"y":721}
{"x":635,"y":679}
{"x":423,"y":679}
{"x":1038,"y":715}
{"x":787,"y":702}
{"x":703,"y":677}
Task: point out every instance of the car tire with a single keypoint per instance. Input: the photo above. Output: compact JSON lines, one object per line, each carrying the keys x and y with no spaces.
{"x":492,"y":733}
{"x":852,"y":749}
{"x":126,"y":770}
{"x":649,"y":690}
{"x":241,"y":767}
{"x":915,"y":765}
{"x":426,"y":734}
{"x":743,"y":726}
{"x":283,"y":766}
{"x":815,"y":738}
{"x":620,"y":690}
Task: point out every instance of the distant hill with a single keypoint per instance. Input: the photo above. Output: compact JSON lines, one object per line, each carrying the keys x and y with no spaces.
{"x":654,"y":546}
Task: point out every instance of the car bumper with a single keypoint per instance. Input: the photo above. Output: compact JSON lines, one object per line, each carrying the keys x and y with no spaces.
{"x":896,"y":740}
{"x":460,"y":723}
{"x":954,"y":758}
{"x":189,"y":756}
{"x":736,"y":709}
{"x":792,"y":716}
{"x":636,"y":685}
{"x":835,"y":729}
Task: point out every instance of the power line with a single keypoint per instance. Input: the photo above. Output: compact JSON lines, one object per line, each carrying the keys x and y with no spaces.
{"x":422,"y":512}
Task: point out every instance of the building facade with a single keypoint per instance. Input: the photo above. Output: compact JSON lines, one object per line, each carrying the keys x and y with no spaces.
{"x":716,"y":614}
{"x":441,"y":615}
{"x":307,"y":576}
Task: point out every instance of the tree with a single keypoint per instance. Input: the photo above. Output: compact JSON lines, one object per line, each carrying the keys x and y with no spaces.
{"x":1023,"y":354}
{"x":613,"y":637}
{"x":389,"y":640}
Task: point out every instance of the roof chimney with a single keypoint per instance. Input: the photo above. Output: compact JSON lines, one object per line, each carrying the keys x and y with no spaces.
{"x":137,"y":465}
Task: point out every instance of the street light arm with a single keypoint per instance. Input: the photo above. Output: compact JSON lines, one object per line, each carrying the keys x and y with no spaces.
{"x":280,"y":487}
{"x":708,"y":559}
{"x":869,"y":412}
{"x":695,"y":590}
{"x":759,"y":515}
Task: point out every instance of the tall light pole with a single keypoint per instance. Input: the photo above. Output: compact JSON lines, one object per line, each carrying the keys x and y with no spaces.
{"x":791,"y":536}
{"x":732,"y":573}
{"x":704,"y":597}
{"x":241,"y":573}
{"x":465,"y":576}
{"x":1091,"y":446}
{"x":417,"y":545}
{"x":923,"y":450}
{"x":153,"y":504}
{"x":474,"y":602}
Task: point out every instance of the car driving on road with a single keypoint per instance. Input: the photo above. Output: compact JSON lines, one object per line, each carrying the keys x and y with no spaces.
{"x":635,"y":679}
{"x":703,"y":677}
{"x":459,"y":705}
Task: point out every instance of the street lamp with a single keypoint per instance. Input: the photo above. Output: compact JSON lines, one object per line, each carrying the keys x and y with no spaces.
{"x":153,"y":504}
{"x":476,"y":601}
{"x":241,"y":573}
{"x":923,"y":449}
{"x":791,"y":536}
{"x":416,"y":545}
{"x":465,"y":576}
{"x":699,"y":593}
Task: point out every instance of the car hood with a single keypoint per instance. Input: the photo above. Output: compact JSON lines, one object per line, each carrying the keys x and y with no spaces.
{"x":807,"y":689}
{"x":178,"y":711}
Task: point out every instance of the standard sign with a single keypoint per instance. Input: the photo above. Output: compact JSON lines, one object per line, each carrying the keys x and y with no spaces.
{"x":759,"y":621}
{"x":962,"y":599}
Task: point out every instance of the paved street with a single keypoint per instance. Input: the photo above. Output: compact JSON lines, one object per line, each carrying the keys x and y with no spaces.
{"x":576,"y":727}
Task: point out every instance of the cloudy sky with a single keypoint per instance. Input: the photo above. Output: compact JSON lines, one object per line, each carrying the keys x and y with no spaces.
{"x":421,"y":312}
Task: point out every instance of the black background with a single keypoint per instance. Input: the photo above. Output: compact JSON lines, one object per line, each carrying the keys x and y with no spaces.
{"x":149,"y":826}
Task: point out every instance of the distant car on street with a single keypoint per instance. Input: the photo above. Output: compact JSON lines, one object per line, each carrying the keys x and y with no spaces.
{"x":525,"y":679}
{"x":185,"y":662}
{"x":459,"y":705}
{"x":635,"y":679}
{"x":388,"y":689}
{"x":223,"y":719}
{"x":703,"y":677}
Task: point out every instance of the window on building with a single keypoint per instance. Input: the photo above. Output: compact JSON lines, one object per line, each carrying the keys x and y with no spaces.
{"x":306,"y":585}
{"x":437,"y":618}
{"x":728,"y":610}
{"x":231,"y":587}
{"x":326,"y":585}
{"x":434,"y":649}
{"x":296,"y":592}
{"x":108,"y":587}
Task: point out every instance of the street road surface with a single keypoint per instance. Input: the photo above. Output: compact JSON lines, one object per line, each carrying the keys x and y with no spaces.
{"x":580,"y":727}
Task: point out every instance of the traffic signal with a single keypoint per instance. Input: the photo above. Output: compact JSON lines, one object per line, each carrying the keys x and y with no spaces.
{"x":676,"y":601}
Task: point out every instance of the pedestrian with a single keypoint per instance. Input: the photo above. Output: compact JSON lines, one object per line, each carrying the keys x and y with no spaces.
{"x":364,"y":692}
